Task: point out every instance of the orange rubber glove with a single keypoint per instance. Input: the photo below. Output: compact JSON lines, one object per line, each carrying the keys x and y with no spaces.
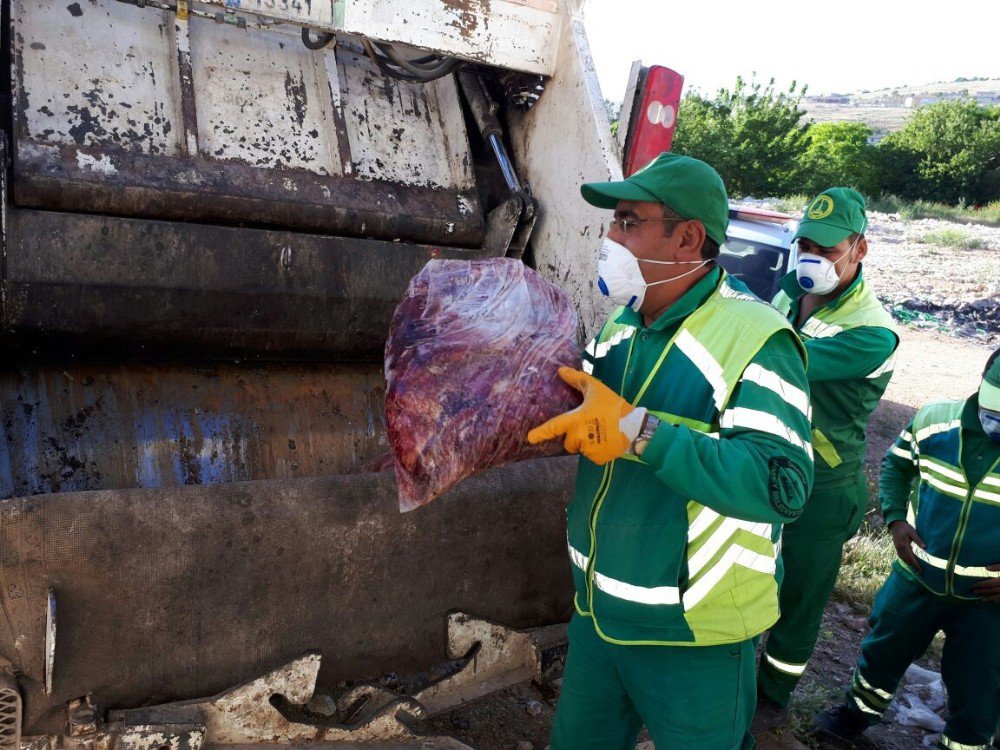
{"x":594,"y":427}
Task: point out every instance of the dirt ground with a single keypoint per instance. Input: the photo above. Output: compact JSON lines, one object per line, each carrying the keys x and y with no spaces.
{"x":933,"y":362}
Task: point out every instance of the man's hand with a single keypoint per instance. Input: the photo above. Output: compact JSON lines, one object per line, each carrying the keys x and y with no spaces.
{"x":593,"y":428}
{"x":904,"y":537}
{"x":990,"y":588}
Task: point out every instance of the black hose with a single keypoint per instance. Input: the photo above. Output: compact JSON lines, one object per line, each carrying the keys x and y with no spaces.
{"x":420,"y":70}
{"x":319,"y":42}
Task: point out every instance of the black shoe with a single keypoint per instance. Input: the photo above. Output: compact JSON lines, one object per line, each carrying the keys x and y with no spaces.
{"x":840,"y":723}
{"x":769,"y":715}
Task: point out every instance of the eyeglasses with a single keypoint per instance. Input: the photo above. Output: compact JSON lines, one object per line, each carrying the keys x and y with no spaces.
{"x":626,"y":224}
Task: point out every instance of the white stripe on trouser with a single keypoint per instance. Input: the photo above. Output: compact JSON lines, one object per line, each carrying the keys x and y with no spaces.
{"x":706,"y":363}
{"x":861,"y":704}
{"x":763,"y":422}
{"x":792,"y":395}
{"x":735,"y":555}
{"x":883,"y":694}
{"x":952,"y":745}
{"x":992,"y":481}
{"x":626,"y":591}
{"x":783,"y":666}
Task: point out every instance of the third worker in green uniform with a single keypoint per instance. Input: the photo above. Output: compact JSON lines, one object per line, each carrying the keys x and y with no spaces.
{"x":850,"y":342}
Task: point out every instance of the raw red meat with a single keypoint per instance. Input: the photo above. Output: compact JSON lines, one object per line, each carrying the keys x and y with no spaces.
{"x":470,"y":366}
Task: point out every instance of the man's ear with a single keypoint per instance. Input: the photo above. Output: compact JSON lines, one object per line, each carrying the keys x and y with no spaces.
{"x":861,"y":249}
{"x":691,"y":234}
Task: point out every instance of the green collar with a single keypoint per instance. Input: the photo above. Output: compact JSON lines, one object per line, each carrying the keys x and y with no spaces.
{"x":693,"y":299}
{"x":789,"y":284}
{"x":970,"y":415}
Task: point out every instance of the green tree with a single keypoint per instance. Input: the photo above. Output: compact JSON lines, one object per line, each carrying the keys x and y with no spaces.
{"x":753,"y":135}
{"x":947,"y":152}
{"x":839,"y":153}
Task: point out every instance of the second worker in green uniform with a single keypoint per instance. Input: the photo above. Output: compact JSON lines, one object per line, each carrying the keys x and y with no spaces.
{"x":850,"y":342}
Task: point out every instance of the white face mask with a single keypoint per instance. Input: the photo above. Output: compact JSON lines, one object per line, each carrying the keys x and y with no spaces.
{"x":818,"y":275}
{"x":620,"y":278}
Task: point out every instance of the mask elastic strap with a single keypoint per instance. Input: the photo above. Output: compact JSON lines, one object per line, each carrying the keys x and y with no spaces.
{"x":672,"y":262}
{"x":681,"y":276}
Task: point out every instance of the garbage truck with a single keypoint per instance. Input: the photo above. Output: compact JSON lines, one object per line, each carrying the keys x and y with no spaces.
{"x":209,"y":211}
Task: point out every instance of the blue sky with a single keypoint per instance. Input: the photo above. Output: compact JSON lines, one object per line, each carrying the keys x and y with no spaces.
{"x":841,"y":46}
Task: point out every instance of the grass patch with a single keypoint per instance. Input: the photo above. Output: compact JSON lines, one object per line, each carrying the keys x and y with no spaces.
{"x":891,"y":204}
{"x":951,"y":238}
{"x":866,"y":564}
{"x":808,"y":701}
{"x":792,"y":204}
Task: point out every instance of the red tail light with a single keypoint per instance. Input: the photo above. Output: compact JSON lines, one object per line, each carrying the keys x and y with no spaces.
{"x":654,"y":116}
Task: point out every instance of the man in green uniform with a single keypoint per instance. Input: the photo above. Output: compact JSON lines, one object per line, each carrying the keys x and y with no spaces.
{"x":695,"y":449}
{"x":850,"y":342}
{"x":947,"y":576}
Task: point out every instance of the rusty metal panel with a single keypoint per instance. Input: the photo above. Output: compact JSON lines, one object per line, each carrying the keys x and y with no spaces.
{"x":96,"y":74}
{"x":128,"y":286}
{"x":263,"y":99}
{"x":183,"y":592}
{"x":411,"y":133}
{"x":98,"y":426}
{"x":181,"y":188}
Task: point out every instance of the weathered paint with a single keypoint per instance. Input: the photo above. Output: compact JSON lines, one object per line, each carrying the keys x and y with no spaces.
{"x":515,"y":34}
{"x":105,"y":76}
{"x":119,"y":109}
{"x":409,"y":133}
{"x":262,"y":99}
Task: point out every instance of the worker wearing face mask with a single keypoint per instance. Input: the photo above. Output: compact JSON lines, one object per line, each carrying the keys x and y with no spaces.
{"x":947,"y":577}
{"x":694,"y":436}
{"x":850,"y":341}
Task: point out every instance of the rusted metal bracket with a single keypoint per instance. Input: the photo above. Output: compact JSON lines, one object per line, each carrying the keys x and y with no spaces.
{"x":266,"y":712}
{"x":492,"y":657}
{"x":282,"y":707}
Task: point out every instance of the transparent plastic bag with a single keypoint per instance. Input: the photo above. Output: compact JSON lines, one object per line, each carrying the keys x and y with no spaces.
{"x":470,"y":368}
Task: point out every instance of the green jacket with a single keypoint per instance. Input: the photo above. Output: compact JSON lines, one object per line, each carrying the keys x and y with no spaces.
{"x":956,"y":506}
{"x":851,"y":342}
{"x":679,"y":547}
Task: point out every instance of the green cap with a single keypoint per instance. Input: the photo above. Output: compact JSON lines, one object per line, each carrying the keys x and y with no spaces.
{"x":687,"y":186}
{"x":989,"y":391}
{"x":832,"y":216}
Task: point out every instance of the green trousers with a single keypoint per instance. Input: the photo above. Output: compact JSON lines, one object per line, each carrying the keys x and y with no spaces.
{"x":904,"y":620}
{"x":687,"y":696}
{"x":811,"y":550}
